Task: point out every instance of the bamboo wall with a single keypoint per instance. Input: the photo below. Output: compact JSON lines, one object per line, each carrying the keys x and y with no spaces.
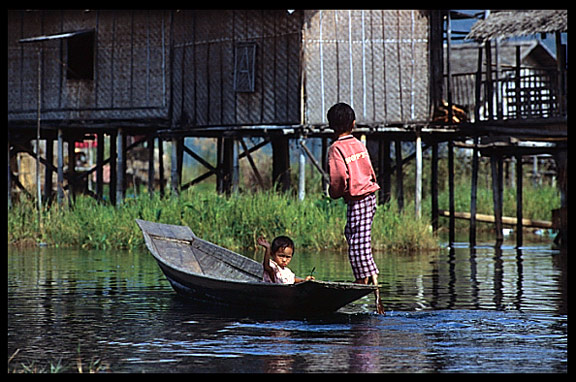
{"x":375,"y":60}
{"x":179,"y":67}
{"x":130,"y":66}
{"x":204,"y":65}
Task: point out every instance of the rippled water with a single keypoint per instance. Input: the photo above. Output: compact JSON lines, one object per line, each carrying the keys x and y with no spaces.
{"x":458,"y":310}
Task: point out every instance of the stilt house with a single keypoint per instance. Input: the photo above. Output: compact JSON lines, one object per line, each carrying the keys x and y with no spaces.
{"x":213,"y":73}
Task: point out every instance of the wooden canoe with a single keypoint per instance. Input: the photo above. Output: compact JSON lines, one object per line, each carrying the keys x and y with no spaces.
{"x":206,"y":272}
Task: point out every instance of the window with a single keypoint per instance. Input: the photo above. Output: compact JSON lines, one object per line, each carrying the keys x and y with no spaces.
{"x":80,"y":65}
{"x":244,"y":67}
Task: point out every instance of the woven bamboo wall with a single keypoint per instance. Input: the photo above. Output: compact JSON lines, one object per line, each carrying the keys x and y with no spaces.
{"x":203,"y":68}
{"x":179,"y":66}
{"x":375,"y":60}
{"x":130,"y":66}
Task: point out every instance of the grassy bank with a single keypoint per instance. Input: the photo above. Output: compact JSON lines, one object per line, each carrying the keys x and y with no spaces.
{"x":233,"y":222}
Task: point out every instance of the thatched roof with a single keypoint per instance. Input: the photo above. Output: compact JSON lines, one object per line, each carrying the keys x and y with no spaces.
{"x":512,"y":23}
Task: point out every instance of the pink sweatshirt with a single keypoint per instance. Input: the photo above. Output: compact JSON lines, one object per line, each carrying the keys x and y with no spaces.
{"x":351,"y":172}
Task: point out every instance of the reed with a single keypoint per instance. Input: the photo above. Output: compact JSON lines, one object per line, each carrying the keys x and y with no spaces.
{"x":317,"y":223}
{"x":233,"y":222}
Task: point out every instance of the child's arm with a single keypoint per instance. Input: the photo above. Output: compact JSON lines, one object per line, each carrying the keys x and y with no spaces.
{"x":299,"y":280}
{"x":266,"y":262}
{"x":338,"y":174}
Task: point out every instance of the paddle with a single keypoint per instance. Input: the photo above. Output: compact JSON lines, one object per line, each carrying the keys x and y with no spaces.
{"x":379,"y":305}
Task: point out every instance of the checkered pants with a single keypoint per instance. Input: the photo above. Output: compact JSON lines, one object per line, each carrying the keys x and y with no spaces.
{"x":358,"y":232}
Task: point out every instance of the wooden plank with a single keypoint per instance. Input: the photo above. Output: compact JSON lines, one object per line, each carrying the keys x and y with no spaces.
{"x":166,"y":230}
{"x":505,"y":219}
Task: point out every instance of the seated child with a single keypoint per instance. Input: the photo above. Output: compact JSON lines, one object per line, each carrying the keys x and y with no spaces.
{"x":276,"y":260}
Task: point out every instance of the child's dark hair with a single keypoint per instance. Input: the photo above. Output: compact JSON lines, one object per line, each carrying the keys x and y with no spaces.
{"x":281,"y":242}
{"x":341,"y":118}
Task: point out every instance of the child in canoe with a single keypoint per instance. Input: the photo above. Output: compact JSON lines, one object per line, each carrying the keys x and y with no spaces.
{"x":276,"y":259}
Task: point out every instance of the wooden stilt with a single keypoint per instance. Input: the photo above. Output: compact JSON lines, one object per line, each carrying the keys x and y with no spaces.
{"x":496,"y":199}
{"x":226,"y":165}
{"x":174,"y":173}
{"x":434,"y":186}
{"x":72,"y":182}
{"x":161,"y":179}
{"x":384,"y":171}
{"x":121,"y":143}
{"x":9,"y":172}
{"x":418,"y":191}
{"x":519,"y":213}
{"x":325,"y":182}
{"x":219,"y":165}
{"x":235,"y":166}
{"x":99,"y":165}
{"x":280,"y":163}
{"x":113,"y":168}
{"x":451,"y":224}
{"x":301,"y":171}
{"x":48,"y":170}
{"x":151,"y":163}
{"x":400,"y":176}
{"x":474,"y":193}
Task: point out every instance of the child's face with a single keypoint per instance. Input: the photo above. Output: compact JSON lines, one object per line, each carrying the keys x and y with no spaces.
{"x":283,"y":256}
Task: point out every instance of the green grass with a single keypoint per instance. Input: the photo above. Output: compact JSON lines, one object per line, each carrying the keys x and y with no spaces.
{"x":233,"y":222}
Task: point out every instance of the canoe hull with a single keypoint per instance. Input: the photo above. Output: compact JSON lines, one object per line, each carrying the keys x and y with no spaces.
{"x":311,"y":297}
{"x":241,"y":288}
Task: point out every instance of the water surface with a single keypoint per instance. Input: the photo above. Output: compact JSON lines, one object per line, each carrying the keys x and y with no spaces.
{"x":457,"y":310}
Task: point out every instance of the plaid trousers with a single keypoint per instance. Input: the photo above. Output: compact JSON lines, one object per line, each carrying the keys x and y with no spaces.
{"x":358,"y":232}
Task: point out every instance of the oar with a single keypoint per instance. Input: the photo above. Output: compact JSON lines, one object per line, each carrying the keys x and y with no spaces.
{"x":379,"y":305}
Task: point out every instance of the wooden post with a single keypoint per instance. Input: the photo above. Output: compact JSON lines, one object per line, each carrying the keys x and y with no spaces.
{"x":399,"y":175}
{"x":519,"y":214}
{"x":434,"y":186}
{"x":384,"y":170}
{"x":174,"y":173}
{"x":518,"y":90}
{"x":473,"y":193}
{"x":448,"y":68}
{"x":9,"y":172}
{"x":235,"y":165}
{"x":489,"y":85}
{"x":280,"y":163}
{"x":418,"y":191}
{"x":325,"y":145}
{"x":451,"y":223}
{"x":48,"y":169}
{"x":71,"y":170}
{"x":225,"y":165}
{"x":219,"y":165}
{"x":301,"y":171}
{"x":496,"y":198}
{"x":478,"y":87}
{"x":150,"y":163}
{"x":99,"y":166}
{"x":161,"y":179}
{"x":113,"y":168}
{"x":121,"y":145}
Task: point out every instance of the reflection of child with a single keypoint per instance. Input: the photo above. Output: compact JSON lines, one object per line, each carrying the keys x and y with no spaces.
{"x":276,"y":260}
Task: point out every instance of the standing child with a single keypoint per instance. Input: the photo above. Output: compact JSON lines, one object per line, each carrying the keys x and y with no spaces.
{"x":276,"y":260}
{"x":352,"y":177}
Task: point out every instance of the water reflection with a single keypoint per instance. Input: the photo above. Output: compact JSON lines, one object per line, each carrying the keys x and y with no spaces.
{"x":503,"y":278}
{"x":460,"y":309}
